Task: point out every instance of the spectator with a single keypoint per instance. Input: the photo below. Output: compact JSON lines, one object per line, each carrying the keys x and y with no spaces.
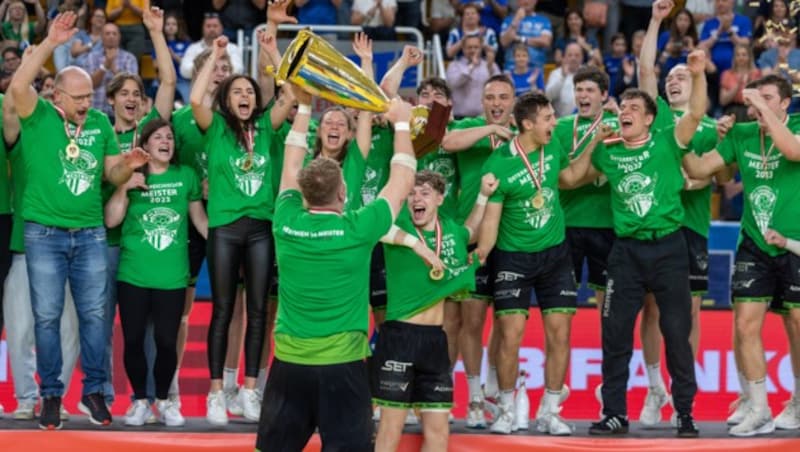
{"x":212,"y":29}
{"x":127,"y":14}
{"x":178,"y":42}
{"x":46,"y":86}
{"x":16,"y":27}
{"x":12,"y":57}
{"x":525,"y":79}
{"x":493,"y":12}
{"x":766,"y":11}
{"x":530,"y":28}
{"x":317,"y":12}
{"x":576,"y":32}
{"x":441,"y":18}
{"x":723,"y":31}
{"x":784,"y":60}
{"x":778,"y":21}
{"x":374,"y":13}
{"x":613,"y":63}
{"x":636,"y":15}
{"x":733,"y":81}
{"x":556,"y":12}
{"x":240,"y":15}
{"x":676,"y":43}
{"x":103,"y":62}
{"x":470,"y":26}
{"x":468,"y":74}
{"x":701,"y":10}
{"x":84,"y":41}
{"x":560,"y":88}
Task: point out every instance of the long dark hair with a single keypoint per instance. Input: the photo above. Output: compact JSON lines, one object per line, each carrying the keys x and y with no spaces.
{"x":221,"y":104}
{"x":691,"y":31}
{"x":350,"y":127}
{"x":148,"y":130}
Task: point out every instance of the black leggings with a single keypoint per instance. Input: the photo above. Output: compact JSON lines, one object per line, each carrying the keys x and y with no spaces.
{"x":165,"y":307}
{"x":246,"y":243}
{"x":5,"y":258}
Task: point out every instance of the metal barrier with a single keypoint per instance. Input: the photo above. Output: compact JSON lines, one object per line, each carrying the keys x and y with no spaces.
{"x":437,"y":56}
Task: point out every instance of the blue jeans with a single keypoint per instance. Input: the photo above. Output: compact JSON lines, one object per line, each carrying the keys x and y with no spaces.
{"x":55,"y":256}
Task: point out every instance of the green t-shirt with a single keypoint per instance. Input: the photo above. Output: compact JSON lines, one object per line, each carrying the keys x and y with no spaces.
{"x":233,"y":192}
{"x":588,"y":206}
{"x":154,"y":251}
{"x":10,"y":34}
{"x":470,"y":162}
{"x":445,"y":163}
{"x":18,"y":188}
{"x":353,"y":169}
{"x":125,"y":140}
{"x":376,"y":173}
{"x":771,"y":197}
{"x":696,"y":203}
{"x":324,"y":260}
{"x":59,"y":191}
{"x":5,"y":193}
{"x":524,"y":228}
{"x":646,"y":183}
{"x":278,"y":145}
{"x":409,"y":288}
{"x":189,"y":142}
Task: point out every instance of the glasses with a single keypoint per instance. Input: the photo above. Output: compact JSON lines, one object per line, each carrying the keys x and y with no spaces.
{"x":211,"y":15}
{"x":79,"y":98}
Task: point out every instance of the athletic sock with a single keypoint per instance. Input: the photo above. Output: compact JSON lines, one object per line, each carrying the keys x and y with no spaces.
{"x":654,"y":375}
{"x":229,"y":375}
{"x":492,"y":387}
{"x":474,"y":385}
{"x":758,"y":394}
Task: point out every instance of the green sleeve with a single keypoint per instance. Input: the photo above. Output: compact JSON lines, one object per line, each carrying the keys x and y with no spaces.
{"x":706,"y":138}
{"x":664,"y":117}
{"x":112,"y":144}
{"x":374,"y":219}
{"x":39,"y":111}
{"x":288,"y":204}
{"x":727,"y":147}
{"x":597,"y":157}
{"x":195,"y":192}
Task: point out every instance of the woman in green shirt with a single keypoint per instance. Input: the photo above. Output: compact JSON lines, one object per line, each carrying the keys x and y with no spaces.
{"x":154,"y":264}
{"x":16,"y":26}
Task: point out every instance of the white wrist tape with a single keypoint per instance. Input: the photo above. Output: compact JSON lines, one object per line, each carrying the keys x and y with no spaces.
{"x":392,"y":234}
{"x":410,"y":241}
{"x":304,"y":109}
{"x":405,"y":160}
{"x":401,"y":127}
{"x":298,"y":139}
{"x":793,"y":246}
{"x":482,"y":199}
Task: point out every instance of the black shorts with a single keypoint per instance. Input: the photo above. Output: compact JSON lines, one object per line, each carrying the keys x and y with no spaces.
{"x":548,"y":272}
{"x":698,"y":261}
{"x":759,"y":277}
{"x":484,"y":278}
{"x":197,"y":253}
{"x":301,"y":398}
{"x":377,"y":279}
{"x":593,"y":244}
{"x":411,"y":368}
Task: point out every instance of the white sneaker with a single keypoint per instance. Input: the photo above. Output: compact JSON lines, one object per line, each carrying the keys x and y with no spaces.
{"x":789,"y":419}
{"x":490,"y":405}
{"x":504,"y":423}
{"x":411,"y":418}
{"x":553,"y":424}
{"x":215,"y":408}
{"x":754,"y":423}
{"x":232,"y":401}
{"x":250,"y":403}
{"x":656,"y":399}
{"x":64,"y":414}
{"x":138,"y":413}
{"x":564,"y":396}
{"x":26,"y":410}
{"x":740,"y":407}
{"x":475,"y":416}
{"x":169,"y":413}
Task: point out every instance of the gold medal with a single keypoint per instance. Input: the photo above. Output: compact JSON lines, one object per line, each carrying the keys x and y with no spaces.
{"x":538,"y":201}
{"x":248,"y":163}
{"x":73,"y":151}
{"x":436,"y":274}
{"x":249,"y":138}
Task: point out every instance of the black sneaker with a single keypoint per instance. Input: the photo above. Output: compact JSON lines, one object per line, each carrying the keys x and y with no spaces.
{"x":50,"y":416}
{"x":686,"y":427}
{"x":94,"y":406}
{"x":610,"y":425}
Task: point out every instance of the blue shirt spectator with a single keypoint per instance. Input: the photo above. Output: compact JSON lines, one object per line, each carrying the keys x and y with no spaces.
{"x":530,"y":26}
{"x":316,"y":12}
{"x":720,"y":37}
{"x":489,"y":17}
{"x":532,"y":79}
{"x":470,"y":26}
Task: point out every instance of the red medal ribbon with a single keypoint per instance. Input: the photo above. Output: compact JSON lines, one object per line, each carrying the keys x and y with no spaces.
{"x":524,"y":157}
{"x":575,"y":142}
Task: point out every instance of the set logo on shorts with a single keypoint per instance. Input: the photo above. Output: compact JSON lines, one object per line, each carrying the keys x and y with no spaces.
{"x":395,"y":366}
{"x":508,"y":276}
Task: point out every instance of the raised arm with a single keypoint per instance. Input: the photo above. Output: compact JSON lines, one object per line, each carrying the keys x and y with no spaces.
{"x":701,"y":167}
{"x":487,"y":237}
{"x":167,"y":79}
{"x":268,"y":54}
{"x":648,"y":81}
{"x":581,"y":171}
{"x":411,"y":57}
{"x":41,"y":18}
{"x":687,"y":125}
{"x":785,"y":140}
{"x":463,"y":139}
{"x":362,"y":45}
{"x":473,"y":223}
{"x":201,"y":108}
{"x":403,"y":163}
{"x":296,"y":146}
{"x":25,"y":98}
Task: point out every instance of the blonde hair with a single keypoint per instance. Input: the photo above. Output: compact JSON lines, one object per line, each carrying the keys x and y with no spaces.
{"x":24,"y":29}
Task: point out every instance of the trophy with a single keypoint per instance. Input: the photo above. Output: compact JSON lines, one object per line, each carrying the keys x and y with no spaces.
{"x":318,"y":68}
{"x":428,"y":126}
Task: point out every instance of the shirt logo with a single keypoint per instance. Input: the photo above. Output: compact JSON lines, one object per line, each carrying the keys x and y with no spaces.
{"x":160,"y":226}
{"x":637,"y":191}
{"x":78,"y":174}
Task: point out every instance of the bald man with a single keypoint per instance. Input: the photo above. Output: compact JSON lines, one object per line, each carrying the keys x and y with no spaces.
{"x":67,"y":148}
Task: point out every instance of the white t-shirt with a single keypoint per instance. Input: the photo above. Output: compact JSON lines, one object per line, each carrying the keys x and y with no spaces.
{"x":363,"y":7}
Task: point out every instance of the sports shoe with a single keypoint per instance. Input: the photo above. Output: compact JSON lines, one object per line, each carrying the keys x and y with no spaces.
{"x":169,"y":413}
{"x":504,"y":423}
{"x":754,"y":423}
{"x":598,"y":394}
{"x":789,"y":419}
{"x":475,"y":416}
{"x":138,"y":413}
{"x":251,"y":404}
{"x":739,"y":409}
{"x":49,"y":418}
{"x":232,"y":401}
{"x":553,"y":424}
{"x":65,"y":414}
{"x":411,"y":418}
{"x":490,"y":403}
{"x":610,"y":425}
{"x":686,"y":426}
{"x":94,"y":406}
{"x":564,"y":395}
{"x":656,"y":399}
{"x":26,"y":410}
{"x":215,"y":408}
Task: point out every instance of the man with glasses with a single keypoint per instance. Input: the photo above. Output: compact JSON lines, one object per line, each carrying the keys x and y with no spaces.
{"x":67,"y":148}
{"x":212,"y":29}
